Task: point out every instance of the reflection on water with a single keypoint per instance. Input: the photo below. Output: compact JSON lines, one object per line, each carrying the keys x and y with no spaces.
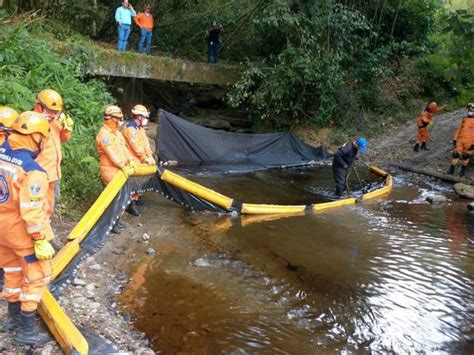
{"x":388,"y":275}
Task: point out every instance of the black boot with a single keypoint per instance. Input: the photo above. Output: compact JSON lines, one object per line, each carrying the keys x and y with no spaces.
{"x":140,"y":202}
{"x":13,"y":319}
{"x":132,"y":209}
{"x":27,"y":333}
{"x":451,"y":169}
{"x":463,"y":171}
{"x":116,"y":228}
{"x":416,"y":148}
{"x":423,"y":146}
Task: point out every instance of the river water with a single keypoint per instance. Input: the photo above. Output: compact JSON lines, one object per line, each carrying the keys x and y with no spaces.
{"x":389,"y":275}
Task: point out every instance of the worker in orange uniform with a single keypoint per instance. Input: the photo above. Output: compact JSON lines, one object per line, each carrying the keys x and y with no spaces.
{"x":7,"y":117}
{"x":144,"y":20}
{"x":463,"y":143}
{"x":422,"y":121}
{"x":50,"y":104}
{"x":112,"y":149}
{"x":25,"y":251}
{"x":138,"y":143}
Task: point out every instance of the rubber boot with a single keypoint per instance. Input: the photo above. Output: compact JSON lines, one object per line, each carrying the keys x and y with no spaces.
{"x":132,"y":209}
{"x":13,"y":319}
{"x":451,"y":169}
{"x":116,"y":228}
{"x":27,"y":333}
{"x":423,"y":146}
{"x":463,"y":171}
{"x":416,"y":148}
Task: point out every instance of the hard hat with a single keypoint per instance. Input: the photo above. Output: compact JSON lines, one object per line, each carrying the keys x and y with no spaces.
{"x":362,"y":143}
{"x":432,"y":106}
{"x":113,"y":111}
{"x":50,"y":99}
{"x":470,"y":109}
{"x":30,"y":122}
{"x":140,"y":110}
{"x":7,"y":117}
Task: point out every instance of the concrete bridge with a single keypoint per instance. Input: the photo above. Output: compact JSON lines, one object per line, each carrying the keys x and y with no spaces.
{"x":133,"y":65}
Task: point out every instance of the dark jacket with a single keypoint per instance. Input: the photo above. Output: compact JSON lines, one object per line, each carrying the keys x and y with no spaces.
{"x":345,"y":156}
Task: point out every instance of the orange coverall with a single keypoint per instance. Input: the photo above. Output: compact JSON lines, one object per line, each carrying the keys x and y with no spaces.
{"x":464,"y":138}
{"x":422,"y":121}
{"x":137,"y":142}
{"x":51,"y":157}
{"x":23,"y":190}
{"x":3,"y":137}
{"x":112,"y":149}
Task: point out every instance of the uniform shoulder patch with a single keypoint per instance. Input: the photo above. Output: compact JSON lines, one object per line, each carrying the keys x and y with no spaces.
{"x":35,"y":188}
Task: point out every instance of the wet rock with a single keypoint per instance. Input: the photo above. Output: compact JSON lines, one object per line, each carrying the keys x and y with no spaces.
{"x":436,"y":199}
{"x":145,"y":237}
{"x":90,"y":295}
{"x":470,"y":207}
{"x":139,"y":225}
{"x":464,"y":190}
{"x":95,"y":267}
{"x":78,"y":282}
{"x":144,"y":351}
{"x":151,"y":251}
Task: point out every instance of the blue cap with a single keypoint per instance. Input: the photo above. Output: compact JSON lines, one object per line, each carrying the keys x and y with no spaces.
{"x":362,"y":143}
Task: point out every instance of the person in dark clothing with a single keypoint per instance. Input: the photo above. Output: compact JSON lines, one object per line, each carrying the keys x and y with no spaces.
{"x":343,"y":160}
{"x":213,"y":44}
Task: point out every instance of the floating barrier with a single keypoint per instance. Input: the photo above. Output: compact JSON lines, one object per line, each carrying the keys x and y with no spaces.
{"x":66,"y":333}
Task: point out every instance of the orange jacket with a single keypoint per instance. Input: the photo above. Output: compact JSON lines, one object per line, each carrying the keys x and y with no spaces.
{"x":137,"y":142}
{"x":465,"y":132}
{"x":23,"y":188}
{"x":2,"y":138}
{"x":144,"y":20}
{"x":113,"y":153}
{"x":51,"y":156}
{"x":424,"y":119}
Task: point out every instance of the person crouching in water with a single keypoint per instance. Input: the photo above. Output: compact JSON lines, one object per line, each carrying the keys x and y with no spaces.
{"x":7,"y":117}
{"x":463,"y":143}
{"x":25,"y":251}
{"x":343,"y":160}
{"x":112,"y":149}
{"x":138,"y":145}
{"x":423,"y":121}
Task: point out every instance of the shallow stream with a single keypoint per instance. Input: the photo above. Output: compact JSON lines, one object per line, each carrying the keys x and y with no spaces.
{"x":393,"y":274}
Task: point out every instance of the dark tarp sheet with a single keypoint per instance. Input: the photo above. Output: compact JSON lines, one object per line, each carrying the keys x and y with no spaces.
{"x":190,"y":144}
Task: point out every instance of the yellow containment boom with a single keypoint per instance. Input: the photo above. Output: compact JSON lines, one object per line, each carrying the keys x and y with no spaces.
{"x":196,"y":189}
{"x":249,"y":208}
{"x":67,"y":335}
{"x":327,"y":205}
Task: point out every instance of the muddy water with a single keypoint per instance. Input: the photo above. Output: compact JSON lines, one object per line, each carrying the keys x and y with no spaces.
{"x":388,"y":275}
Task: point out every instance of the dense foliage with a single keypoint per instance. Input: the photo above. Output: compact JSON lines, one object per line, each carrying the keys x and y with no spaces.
{"x":28,"y":65}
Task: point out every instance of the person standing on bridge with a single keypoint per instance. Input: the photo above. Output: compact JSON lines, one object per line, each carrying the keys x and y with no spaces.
{"x":123,"y":17}
{"x":343,"y":160}
{"x":25,"y":251}
{"x":144,"y":20}
{"x":213,"y":43}
{"x":463,"y":143}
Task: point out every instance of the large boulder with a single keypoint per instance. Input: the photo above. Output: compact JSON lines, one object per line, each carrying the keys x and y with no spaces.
{"x":464,"y":190}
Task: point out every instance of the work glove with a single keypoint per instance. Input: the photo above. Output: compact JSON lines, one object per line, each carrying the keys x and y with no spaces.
{"x":431,"y":124}
{"x":66,"y":121}
{"x":129,"y":169}
{"x":454,"y":143}
{"x":43,"y":249}
{"x":150,"y":161}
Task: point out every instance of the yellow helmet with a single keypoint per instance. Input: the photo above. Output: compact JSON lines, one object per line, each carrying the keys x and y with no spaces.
{"x":30,"y":122}
{"x":140,"y":110}
{"x":51,"y":99}
{"x":7,"y":117}
{"x":113,"y":111}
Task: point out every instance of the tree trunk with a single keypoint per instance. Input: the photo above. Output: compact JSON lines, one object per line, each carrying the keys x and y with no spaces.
{"x":440,"y":176}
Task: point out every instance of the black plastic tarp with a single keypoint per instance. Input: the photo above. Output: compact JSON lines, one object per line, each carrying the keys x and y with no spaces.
{"x":190,"y":144}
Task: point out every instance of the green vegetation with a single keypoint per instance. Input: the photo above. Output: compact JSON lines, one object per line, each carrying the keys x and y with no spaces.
{"x":28,"y":65}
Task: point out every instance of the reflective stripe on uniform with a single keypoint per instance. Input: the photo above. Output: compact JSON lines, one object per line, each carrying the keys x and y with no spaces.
{"x":31,"y":204}
{"x":12,"y":269}
{"x":12,"y":290}
{"x":30,"y":297}
{"x":34,"y":229}
{"x":46,"y":278}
